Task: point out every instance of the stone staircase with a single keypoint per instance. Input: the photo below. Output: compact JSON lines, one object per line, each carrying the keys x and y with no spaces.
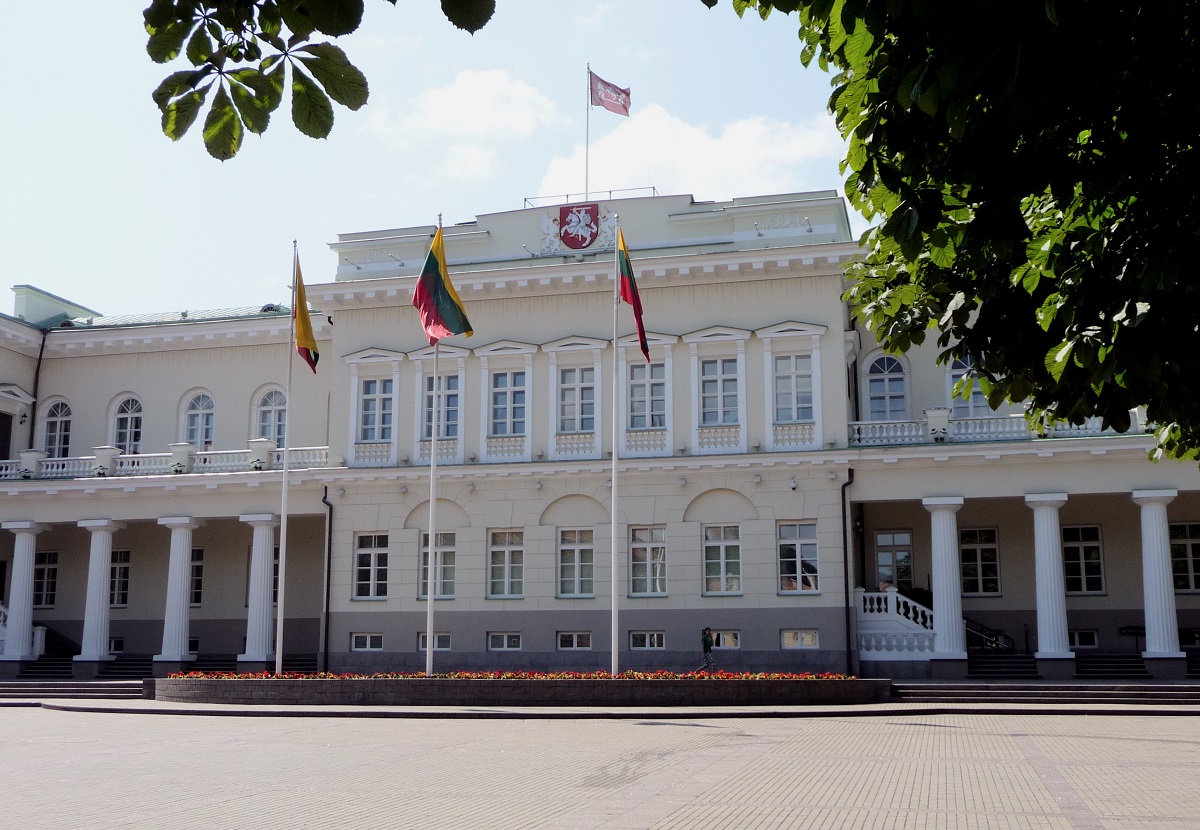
{"x":48,"y":668}
{"x":77,"y":689}
{"x":1110,"y":666}
{"x":1164,"y":694}
{"x":127,"y":667}
{"x":991,"y":665}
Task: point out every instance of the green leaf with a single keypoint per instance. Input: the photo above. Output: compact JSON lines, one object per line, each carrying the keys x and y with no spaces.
{"x":179,"y":115}
{"x":200,"y":47}
{"x":858,"y":45}
{"x":312,"y":112}
{"x":165,"y":43}
{"x":1056,"y":360}
{"x":470,"y":15}
{"x":222,"y":128}
{"x":341,"y":79}
{"x":252,"y":105}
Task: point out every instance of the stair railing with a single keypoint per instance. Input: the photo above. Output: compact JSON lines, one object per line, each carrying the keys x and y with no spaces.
{"x":989,"y":639}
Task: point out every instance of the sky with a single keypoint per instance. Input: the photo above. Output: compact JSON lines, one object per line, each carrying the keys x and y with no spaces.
{"x":99,"y":207}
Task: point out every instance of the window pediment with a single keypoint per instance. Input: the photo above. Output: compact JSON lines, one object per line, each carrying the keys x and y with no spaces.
{"x":374,"y":355}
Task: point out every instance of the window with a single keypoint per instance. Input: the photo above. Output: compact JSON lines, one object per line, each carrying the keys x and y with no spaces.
{"x":118,"y":579}
{"x":975,"y":405}
{"x":58,"y":430}
{"x":448,"y":406}
{"x":722,"y":560}
{"x":370,"y":566}
{"x":980,"y":558}
{"x":575,"y":564}
{"x":647,"y":395}
{"x":719,"y":392}
{"x":375,"y":410}
{"x":729,"y":640}
{"x":198,"y":420}
{"x":1085,"y":638}
{"x":272,"y":417}
{"x":886,"y":399}
{"x":646,"y":640}
{"x":797,"y":557}
{"x":196,"y":580}
{"x":193,"y":645}
{"x":116,"y":645}
{"x":504,"y":641}
{"x":444,"y":586}
{"x":441,"y":641}
{"x":1082,"y":561}
{"x":366,"y":642}
{"x":893,"y":558}
{"x":506,"y":567}
{"x":793,"y":389}
{"x":45,"y":578}
{"x":1185,"y":556}
{"x":799,"y":638}
{"x":127,"y":430}
{"x":574,"y":641}
{"x":508,"y":404}
{"x":648,"y":561}
{"x":577,"y":400}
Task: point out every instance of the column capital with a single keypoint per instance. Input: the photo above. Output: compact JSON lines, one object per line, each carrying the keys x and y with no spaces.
{"x":95,"y":525}
{"x":24,"y":527}
{"x":939,"y":503}
{"x":260,"y":519}
{"x":181,"y":522}
{"x":1036,"y":500}
{"x":1154,"y":496}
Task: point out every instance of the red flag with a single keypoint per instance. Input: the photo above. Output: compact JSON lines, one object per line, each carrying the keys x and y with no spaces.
{"x":629,"y":291}
{"x":604,"y":94}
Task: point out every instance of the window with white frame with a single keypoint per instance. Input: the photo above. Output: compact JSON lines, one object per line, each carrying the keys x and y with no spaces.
{"x":648,"y":561}
{"x":506,"y":564}
{"x":576,"y":565}
{"x":1185,"y":556}
{"x":894,"y":558}
{"x":441,"y":641}
{"x":979,"y":557}
{"x":719,"y":391}
{"x":1083,"y":560}
{"x":1085,"y":638}
{"x":447,"y":401}
{"x":127,"y":426}
{"x":366,"y":641}
{"x":371,"y":566}
{"x":376,"y":410}
{"x":722,"y":560}
{"x":444,"y":552}
{"x":116,"y":645}
{"x":790,"y":638}
{"x":798,"y":558}
{"x":196,"y":577}
{"x":57,"y":443}
{"x":45,"y":578}
{"x":118,"y":579}
{"x":647,"y":396}
{"x":271,"y":417}
{"x":793,"y":385}
{"x":647,"y":640}
{"x":199,"y":419}
{"x":577,"y":399}
{"x":574,"y":641}
{"x":975,"y":405}
{"x":504,"y":641}
{"x":727,"y":640}
{"x":507,"y":404}
{"x":887,"y":395}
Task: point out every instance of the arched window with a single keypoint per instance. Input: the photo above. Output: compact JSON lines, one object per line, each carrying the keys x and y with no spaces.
{"x":198,"y":421}
{"x":272,"y":417}
{"x":127,"y":426}
{"x":886,"y":390}
{"x":974,"y":406}
{"x":58,"y":430}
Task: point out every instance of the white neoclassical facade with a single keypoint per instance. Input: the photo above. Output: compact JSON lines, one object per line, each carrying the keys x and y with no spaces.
{"x":821,"y":505}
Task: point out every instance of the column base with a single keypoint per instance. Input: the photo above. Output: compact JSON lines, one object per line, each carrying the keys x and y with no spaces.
{"x":1165,"y":666}
{"x":948,"y":666}
{"x":89,"y":668}
{"x":1055,"y":666}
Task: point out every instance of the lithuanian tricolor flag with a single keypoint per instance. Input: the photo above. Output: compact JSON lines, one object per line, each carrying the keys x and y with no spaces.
{"x":442,"y":312}
{"x":629,"y":291}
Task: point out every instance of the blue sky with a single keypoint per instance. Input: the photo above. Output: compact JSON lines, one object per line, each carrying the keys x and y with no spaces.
{"x":104,"y":210}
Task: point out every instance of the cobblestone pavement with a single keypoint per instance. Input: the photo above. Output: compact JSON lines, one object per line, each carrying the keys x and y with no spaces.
{"x":84,"y":770}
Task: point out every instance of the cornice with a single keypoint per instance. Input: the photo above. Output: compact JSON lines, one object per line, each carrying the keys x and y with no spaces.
{"x":81,"y":341}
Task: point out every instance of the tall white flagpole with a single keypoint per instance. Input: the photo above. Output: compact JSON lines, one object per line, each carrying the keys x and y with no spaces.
{"x":615,"y":562}
{"x":434,"y":556}
{"x":283,"y":506}
{"x":587,"y":137}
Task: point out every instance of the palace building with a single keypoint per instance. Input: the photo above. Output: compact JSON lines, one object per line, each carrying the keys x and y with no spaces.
{"x":819,"y":504}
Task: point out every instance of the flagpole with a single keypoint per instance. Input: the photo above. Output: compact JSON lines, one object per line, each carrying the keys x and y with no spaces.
{"x":433,"y":558}
{"x":283,"y":505}
{"x":615,"y":633}
{"x":587,"y":137}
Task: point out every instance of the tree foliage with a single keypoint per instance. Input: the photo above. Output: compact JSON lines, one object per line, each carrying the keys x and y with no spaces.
{"x":1032,"y":165}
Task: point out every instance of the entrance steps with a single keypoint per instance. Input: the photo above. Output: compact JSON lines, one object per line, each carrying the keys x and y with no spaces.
{"x":76,"y":689}
{"x":1001,"y":666}
{"x":1110,"y":666}
{"x":1160,"y":694}
{"x":48,"y":668}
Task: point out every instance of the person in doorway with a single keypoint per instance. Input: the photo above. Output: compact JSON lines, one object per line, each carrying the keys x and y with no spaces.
{"x":706,"y":645}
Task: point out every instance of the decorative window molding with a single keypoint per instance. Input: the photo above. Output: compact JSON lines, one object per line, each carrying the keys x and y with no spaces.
{"x":799,"y":558}
{"x":270,"y":415}
{"x":582,"y":358}
{"x":723,"y":351}
{"x":452,"y":365}
{"x":576,"y":563}
{"x":722,"y":560}
{"x":378,"y":365}
{"x":55,"y":437}
{"x":505,"y":406}
{"x":648,"y":561}
{"x":885,"y":387}
{"x":370,"y":566}
{"x":197,"y":419}
{"x":649,"y":438}
{"x":792,"y":413}
{"x":506,"y":564}
{"x":125,"y":423}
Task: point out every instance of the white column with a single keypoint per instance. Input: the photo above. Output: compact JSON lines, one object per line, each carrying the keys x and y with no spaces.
{"x":259,"y":613}
{"x":18,"y":643}
{"x":1048,"y":574}
{"x":177,"y":612}
{"x":1158,"y":588}
{"x":95,"y":613}
{"x":949,"y":632}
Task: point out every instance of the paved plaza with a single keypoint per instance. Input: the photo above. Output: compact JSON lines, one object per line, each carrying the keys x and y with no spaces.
{"x":83,"y":770}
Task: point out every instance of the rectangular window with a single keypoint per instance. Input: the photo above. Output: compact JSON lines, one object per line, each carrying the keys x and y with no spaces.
{"x":1185,"y":556}
{"x":574,"y":641}
{"x":506,"y":568}
{"x":375,"y":411}
{"x":647,"y":640}
{"x":647,"y":396}
{"x":116,"y":645}
{"x":722,"y":560}
{"x":1084,"y":638}
{"x":577,"y":400}
{"x":648,"y":561}
{"x":448,"y":406}
{"x":797,"y":557}
{"x":1083,"y":562}
{"x":196,"y":580}
{"x":799,"y":638}
{"x":371,"y":566}
{"x":576,"y":568}
{"x":118,"y":579}
{"x":444,"y":587}
{"x":727,"y":639}
{"x":980,"y":558}
{"x":893,"y":558}
{"x":793,"y":389}
{"x":719,"y":392}
{"x":441,"y":641}
{"x":504,"y":641}
{"x":193,"y":645}
{"x":366,"y":642}
{"x":508,"y":403}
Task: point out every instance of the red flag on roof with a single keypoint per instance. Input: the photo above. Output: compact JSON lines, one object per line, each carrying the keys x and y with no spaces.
{"x":604,"y":94}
